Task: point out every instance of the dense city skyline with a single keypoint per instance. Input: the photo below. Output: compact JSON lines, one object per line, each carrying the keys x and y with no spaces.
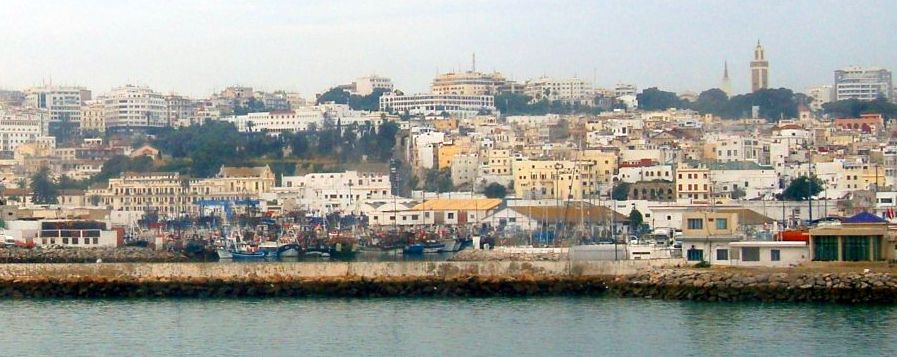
{"x":310,"y":47}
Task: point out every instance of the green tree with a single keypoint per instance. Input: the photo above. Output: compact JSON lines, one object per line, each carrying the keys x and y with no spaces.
{"x":336,"y":94}
{"x":495,"y":190}
{"x":620,"y":191}
{"x":802,"y":188}
{"x":635,"y":221}
{"x":713,"y":101}
{"x":853,"y":108}
{"x":438,"y":180}
{"x":655,"y":99}
{"x":43,"y":191}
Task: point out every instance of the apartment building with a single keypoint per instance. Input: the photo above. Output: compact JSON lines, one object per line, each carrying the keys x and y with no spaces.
{"x":469,"y":83}
{"x":131,"y":107}
{"x":367,"y":85}
{"x":335,"y":192}
{"x":693,"y":183}
{"x":463,"y":106}
{"x":62,"y":103}
{"x":569,"y":90}
{"x":556,"y":179}
{"x":862,"y":83}
{"x":18,"y":127}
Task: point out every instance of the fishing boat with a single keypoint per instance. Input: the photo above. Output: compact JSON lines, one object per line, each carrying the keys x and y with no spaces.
{"x":413,"y":249}
{"x":433,"y":247}
{"x":224,"y":254}
{"x":450,"y":245}
{"x":249,"y":256}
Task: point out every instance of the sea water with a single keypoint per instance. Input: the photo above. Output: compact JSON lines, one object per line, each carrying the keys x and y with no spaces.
{"x":581,"y":326}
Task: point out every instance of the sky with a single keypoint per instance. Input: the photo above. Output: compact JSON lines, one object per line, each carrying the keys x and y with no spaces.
{"x":197,"y":47}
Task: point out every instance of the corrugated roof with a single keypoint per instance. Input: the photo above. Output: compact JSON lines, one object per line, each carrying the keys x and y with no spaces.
{"x":570,"y":214}
{"x":452,"y":204}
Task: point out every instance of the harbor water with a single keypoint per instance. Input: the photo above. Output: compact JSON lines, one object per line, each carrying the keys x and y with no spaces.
{"x":599,"y":326}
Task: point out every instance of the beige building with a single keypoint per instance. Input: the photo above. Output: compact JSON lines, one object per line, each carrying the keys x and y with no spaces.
{"x":93,"y":116}
{"x":467,"y":83}
{"x":170,"y":194}
{"x":693,"y":183}
{"x":558,"y":179}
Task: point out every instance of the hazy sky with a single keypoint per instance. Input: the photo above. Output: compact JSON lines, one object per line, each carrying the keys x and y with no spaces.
{"x":197,"y":47}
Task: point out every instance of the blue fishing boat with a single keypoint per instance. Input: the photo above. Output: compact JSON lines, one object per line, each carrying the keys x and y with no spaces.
{"x":247,"y":256}
{"x":413,"y":249}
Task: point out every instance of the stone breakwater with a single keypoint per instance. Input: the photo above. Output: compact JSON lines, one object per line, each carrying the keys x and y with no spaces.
{"x":405,"y":279}
{"x":758,"y":285}
{"x":644,"y":279}
{"x":88,"y":255}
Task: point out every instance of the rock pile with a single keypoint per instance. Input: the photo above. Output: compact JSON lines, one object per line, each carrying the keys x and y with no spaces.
{"x":479,"y":286}
{"x":745,"y":285}
{"x":88,"y":255}
{"x":470,"y":255}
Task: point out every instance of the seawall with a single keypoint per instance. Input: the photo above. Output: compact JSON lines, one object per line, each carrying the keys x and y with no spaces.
{"x":645,"y":279}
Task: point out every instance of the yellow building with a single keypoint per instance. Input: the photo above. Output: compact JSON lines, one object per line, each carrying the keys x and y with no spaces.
{"x":605,"y":164}
{"x":446,"y":152}
{"x":498,"y":162}
{"x":692,"y":183}
{"x":467,"y":83}
{"x":554,"y":179}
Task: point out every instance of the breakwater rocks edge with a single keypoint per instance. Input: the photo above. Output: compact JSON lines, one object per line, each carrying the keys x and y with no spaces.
{"x":412,"y":279}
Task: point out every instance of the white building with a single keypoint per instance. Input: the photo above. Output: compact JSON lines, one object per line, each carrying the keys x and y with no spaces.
{"x":62,"y":103}
{"x":305,"y":118}
{"x":367,"y":85}
{"x":863,"y":83}
{"x":434,"y":104}
{"x":624,"y":89}
{"x":645,"y":173}
{"x":335,"y":192}
{"x":465,"y":168}
{"x":820,"y":95}
{"x":572,"y":90}
{"x":133,"y":107}
{"x":19,"y":127}
{"x":422,"y":147}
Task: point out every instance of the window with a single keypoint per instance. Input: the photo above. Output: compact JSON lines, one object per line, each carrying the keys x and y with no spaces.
{"x":695,"y":255}
{"x":451,"y":215}
{"x":750,"y":254}
{"x":722,"y":223}
{"x":695,"y":223}
{"x":775,"y":255}
{"x":722,"y":254}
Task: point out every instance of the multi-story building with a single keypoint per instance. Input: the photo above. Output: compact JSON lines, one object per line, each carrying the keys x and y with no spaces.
{"x":334,"y":192}
{"x":820,"y":95}
{"x":557,"y":179}
{"x":306,"y":118}
{"x":179,"y":110}
{"x":625,"y":89}
{"x":863,"y":83}
{"x":435,"y":104}
{"x":132,"y":107}
{"x":465,"y":169}
{"x":693,"y":183}
{"x":572,"y":90}
{"x":93,"y":116}
{"x":470,"y":83}
{"x":62,"y":103}
{"x":20,"y":127}
{"x":169,"y":194}
{"x":759,"y":69}
{"x":367,"y":85}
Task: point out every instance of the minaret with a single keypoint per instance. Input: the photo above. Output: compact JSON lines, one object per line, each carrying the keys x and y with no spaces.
{"x":726,"y":84}
{"x":759,"y":70}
